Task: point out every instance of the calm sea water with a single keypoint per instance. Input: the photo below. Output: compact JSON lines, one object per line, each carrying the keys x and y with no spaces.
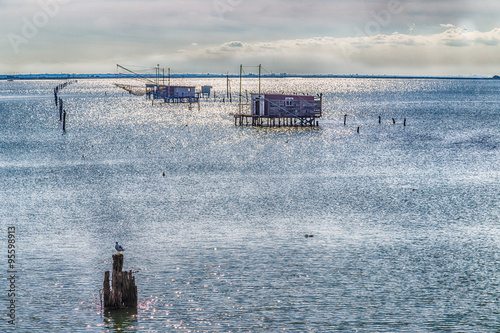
{"x":405,"y":218}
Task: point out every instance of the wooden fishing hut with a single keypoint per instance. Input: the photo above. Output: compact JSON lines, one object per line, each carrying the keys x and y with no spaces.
{"x":268,"y":109}
{"x":281,"y":110}
{"x":173,"y":94}
{"x":154,"y":90}
{"x":205,"y":91}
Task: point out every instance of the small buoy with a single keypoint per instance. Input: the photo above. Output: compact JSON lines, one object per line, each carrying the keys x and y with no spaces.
{"x":164,"y":174}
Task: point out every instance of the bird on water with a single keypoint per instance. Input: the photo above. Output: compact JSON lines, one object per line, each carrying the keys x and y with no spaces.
{"x":119,"y":248}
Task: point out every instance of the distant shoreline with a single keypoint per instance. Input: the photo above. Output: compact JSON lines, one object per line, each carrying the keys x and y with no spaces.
{"x":187,"y":75}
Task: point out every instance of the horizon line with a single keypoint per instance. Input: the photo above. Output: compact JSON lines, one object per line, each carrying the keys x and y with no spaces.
{"x":214,"y":75}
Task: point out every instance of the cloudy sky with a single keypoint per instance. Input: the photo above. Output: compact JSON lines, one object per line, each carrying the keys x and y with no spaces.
{"x":394,"y":37}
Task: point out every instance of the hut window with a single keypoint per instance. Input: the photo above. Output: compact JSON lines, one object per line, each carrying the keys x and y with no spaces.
{"x":288,"y":101}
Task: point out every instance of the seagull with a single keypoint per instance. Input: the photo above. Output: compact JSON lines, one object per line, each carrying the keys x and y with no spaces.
{"x":119,"y":248}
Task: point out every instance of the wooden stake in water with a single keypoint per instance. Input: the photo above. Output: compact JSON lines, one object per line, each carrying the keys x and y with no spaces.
{"x":122,"y":292}
{"x":60,"y":109}
{"x":64,"y":120}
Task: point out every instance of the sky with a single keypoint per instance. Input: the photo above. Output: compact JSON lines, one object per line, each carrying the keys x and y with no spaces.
{"x":366,"y":37}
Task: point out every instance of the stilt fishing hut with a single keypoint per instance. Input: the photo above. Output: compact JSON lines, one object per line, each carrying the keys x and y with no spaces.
{"x":280,"y":109}
{"x":173,"y":94}
{"x":167,"y":92}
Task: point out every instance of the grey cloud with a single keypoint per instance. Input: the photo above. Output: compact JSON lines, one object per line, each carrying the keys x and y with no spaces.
{"x":282,"y":32}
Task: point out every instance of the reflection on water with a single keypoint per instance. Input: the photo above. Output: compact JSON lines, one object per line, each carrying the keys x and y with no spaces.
{"x":122,"y":320}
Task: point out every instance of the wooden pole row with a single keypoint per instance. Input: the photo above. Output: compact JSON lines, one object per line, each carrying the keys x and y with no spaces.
{"x":61,"y":87}
{"x":62,"y":114}
{"x":379,"y":120}
{"x":59,"y":101}
{"x":243,"y":120}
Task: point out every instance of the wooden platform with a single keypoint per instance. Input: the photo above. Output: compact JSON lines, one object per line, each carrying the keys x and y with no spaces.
{"x":242,"y":119}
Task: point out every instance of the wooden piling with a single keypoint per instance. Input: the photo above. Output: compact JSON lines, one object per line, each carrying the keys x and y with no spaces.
{"x":60,"y":109}
{"x":345,"y":119}
{"x":64,"y":120}
{"x":122,"y":292}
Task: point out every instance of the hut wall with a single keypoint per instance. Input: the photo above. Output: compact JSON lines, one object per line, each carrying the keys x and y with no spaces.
{"x":274,"y":105}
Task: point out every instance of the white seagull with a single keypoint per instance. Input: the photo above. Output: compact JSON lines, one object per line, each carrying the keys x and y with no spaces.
{"x":119,"y":248}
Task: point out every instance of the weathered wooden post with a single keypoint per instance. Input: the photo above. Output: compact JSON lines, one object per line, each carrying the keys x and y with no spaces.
{"x":122,"y":293}
{"x":345,"y":119}
{"x":64,"y":120}
{"x":60,"y":109}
